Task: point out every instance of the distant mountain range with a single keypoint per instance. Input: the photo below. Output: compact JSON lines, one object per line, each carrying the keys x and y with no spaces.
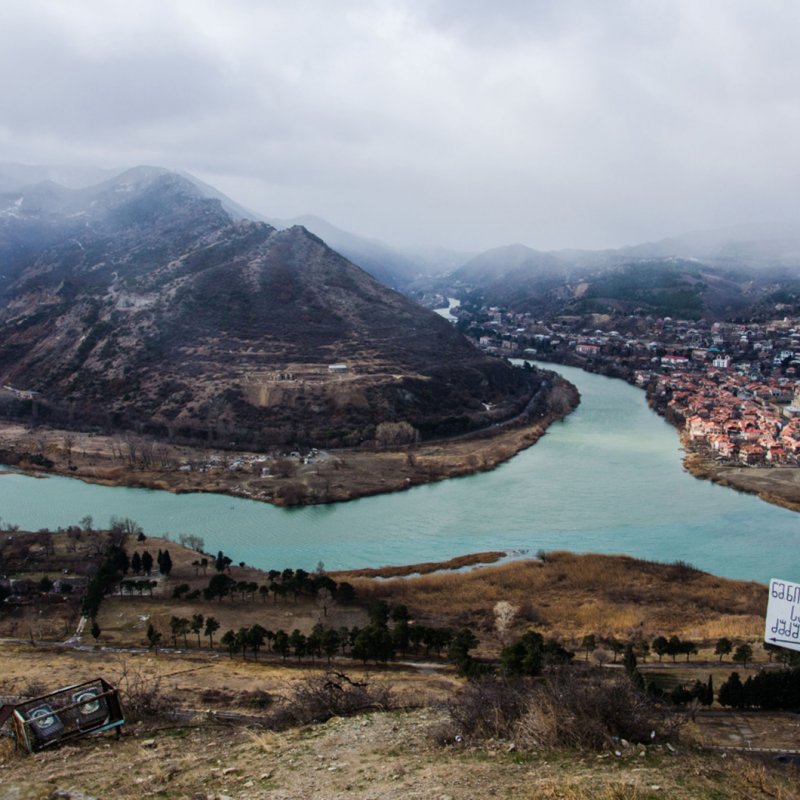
{"x":748,"y":270}
{"x":398,"y":268}
{"x":736,"y":272}
{"x":147,"y":302}
{"x":740,"y":272}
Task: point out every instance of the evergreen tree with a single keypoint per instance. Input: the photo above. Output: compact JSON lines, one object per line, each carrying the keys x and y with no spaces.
{"x":147,"y":563}
{"x":615,"y":646}
{"x":219,"y":586}
{"x":255,"y":638}
{"x":229,"y":640}
{"x":708,"y":699}
{"x":212,"y":626}
{"x":629,"y":660}
{"x":689,"y":648}
{"x":372,"y":642}
{"x":458,"y":650}
{"x":674,"y":647}
{"x":297,"y":641}
{"x":345,"y":593}
{"x":400,"y":636}
{"x":165,"y":564}
{"x":731,"y":693}
{"x":197,"y":626}
{"x":180,"y":626}
{"x":331,"y":641}
{"x":153,"y":637}
{"x":282,"y":645}
{"x":136,"y":563}
{"x":743,"y":654}
{"x":660,"y":646}
{"x":525,"y":656}
{"x":723,"y":647}
{"x":378,"y":612}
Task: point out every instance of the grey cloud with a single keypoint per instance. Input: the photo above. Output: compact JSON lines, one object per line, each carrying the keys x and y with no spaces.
{"x":445,"y":121}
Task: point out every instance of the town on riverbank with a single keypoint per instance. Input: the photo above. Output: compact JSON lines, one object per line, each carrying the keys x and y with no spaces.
{"x":732,"y":389}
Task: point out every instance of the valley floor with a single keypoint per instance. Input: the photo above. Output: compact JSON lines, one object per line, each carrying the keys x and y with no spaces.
{"x":328,"y":476}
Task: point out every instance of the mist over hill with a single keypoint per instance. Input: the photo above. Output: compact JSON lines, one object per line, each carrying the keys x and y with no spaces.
{"x":141,"y":303}
{"x":731,"y":273}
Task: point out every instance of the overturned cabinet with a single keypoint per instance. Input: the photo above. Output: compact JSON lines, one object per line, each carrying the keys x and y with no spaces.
{"x":64,"y":714}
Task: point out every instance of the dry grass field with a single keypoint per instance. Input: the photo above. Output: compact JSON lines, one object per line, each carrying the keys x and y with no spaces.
{"x":196,"y":713}
{"x":779,"y":485}
{"x":570,"y":595}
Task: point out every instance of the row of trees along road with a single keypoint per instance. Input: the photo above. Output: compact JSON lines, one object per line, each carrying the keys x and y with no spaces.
{"x":663,"y":646}
{"x":379,"y":641}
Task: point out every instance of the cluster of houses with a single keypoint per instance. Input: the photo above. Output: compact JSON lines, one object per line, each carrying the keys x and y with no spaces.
{"x":256,"y":464}
{"x":684,"y":344}
{"x":752,"y":422}
{"x":734,"y":387}
{"x":24,"y":591}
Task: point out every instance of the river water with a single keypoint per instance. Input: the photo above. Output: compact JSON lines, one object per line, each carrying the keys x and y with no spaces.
{"x":607,"y":479}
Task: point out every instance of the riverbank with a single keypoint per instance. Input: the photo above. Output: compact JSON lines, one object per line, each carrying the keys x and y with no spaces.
{"x":779,"y":485}
{"x":291,"y":480}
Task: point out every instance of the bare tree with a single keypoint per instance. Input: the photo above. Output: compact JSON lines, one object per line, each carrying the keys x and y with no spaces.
{"x":395,"y":434}
{"x":68,"y":444}
{"x":504,"y":615}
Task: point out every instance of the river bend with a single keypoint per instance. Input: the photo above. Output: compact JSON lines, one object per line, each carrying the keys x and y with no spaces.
{"x":607,"y":479}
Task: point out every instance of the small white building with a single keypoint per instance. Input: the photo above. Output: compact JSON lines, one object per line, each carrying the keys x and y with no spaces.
{"x":721,"y":361}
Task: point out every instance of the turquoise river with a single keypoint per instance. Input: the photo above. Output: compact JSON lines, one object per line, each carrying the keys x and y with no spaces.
{"x":608,"y":479}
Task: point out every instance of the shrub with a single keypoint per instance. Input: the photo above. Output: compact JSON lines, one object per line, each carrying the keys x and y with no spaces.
{"x":331,"y":694}
{"x":486,"y":709}
{"x":141,"y":694}
{"x":584,"y":709}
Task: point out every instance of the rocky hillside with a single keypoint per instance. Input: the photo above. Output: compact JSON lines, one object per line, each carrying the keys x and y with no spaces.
{"x":141,"y":304}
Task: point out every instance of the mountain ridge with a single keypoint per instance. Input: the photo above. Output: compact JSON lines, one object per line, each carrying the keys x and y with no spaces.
{"x":145,"y":306}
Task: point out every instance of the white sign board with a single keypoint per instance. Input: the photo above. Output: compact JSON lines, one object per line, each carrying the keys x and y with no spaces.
{"x":783,"y":614}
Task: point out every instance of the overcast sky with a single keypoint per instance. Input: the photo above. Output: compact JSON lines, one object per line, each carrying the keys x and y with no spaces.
{"x":465,"y":123}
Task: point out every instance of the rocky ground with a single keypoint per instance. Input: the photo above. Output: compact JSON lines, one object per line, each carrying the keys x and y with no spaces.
{"x":391,"y":756}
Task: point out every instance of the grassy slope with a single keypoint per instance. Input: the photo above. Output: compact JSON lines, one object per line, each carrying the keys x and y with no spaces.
{"x":571,"y":595}
{"x":388,"y":755}
{"x":381,"y":755}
